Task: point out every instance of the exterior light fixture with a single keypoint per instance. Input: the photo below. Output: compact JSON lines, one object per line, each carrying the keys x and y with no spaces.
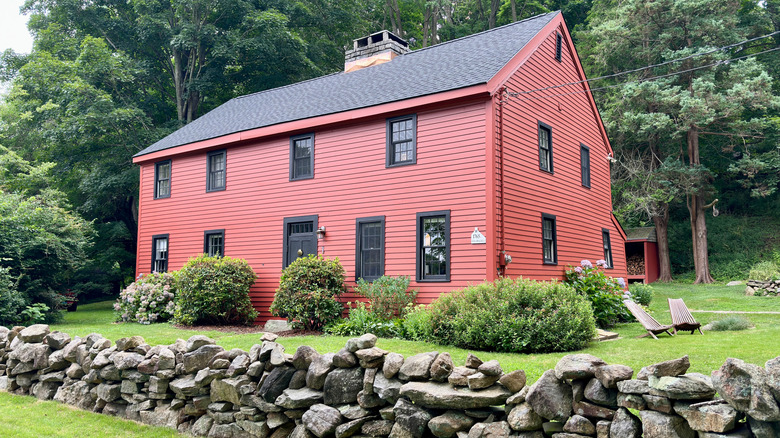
{"x":321,"y":232}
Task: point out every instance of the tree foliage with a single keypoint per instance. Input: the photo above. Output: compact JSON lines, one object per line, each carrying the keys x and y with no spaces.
{"x":41,"y":241}
{"x":679,"y":110}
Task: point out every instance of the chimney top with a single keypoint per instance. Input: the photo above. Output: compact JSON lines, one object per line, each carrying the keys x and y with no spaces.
{"x":377,"y":48}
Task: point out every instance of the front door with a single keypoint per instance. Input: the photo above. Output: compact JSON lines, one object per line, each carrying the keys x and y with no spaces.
{"x":300,"y":238}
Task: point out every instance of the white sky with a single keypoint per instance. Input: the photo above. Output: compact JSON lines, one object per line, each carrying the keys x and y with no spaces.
{"x":13,"y":27}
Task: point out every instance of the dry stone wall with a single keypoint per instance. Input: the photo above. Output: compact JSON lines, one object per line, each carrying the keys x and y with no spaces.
{"x":763,"y":288}
{"x":196,"y":386}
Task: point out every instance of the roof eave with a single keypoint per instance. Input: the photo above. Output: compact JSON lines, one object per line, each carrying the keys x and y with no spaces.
{"x":313,"y":122}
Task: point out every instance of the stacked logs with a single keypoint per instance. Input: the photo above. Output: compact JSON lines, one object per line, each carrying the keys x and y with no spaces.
{"x":636,"y":264}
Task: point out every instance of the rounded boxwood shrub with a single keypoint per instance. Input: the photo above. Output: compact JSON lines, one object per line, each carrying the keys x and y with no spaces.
{"x":307,"y":292}
{"x":214,"y":290}
{"x":518,"y":316}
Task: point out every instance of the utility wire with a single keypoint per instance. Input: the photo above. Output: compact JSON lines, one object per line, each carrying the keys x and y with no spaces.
{"x":613,"y":75}
{"x":513,"y":95}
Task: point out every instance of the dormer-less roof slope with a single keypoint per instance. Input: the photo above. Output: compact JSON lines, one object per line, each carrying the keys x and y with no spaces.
{"x":460,"y":63}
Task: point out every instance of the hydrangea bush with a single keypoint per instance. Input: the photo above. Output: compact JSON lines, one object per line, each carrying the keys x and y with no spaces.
{"x":149,"y":299}
{"x":606,"y":294}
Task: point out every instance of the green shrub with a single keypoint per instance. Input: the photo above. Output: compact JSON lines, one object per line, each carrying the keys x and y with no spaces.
{"x":731,"y":323}
{"x":763,"y":271}
{"x":641,"y":293}
{"x":214,"y":290}
{"x":389,"y":296}
{"x":149,"y":299}
{"x":363,"y":320}
{"x":11,"y":300}
{"x":604,"y":292}
{"x":519,"y":316}
{"x":416,"y":325}
{"x":307,"y":292}
{"x":34,"y":314}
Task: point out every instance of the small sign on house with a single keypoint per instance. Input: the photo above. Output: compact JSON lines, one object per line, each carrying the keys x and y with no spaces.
{"x":477,"y":237}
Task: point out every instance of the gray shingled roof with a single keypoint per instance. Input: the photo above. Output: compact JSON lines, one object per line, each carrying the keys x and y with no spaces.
{"x":641,"y":233}
{"x":460,"y":63}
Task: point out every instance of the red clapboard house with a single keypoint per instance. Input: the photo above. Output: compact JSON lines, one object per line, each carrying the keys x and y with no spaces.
{"x":415,"y":163}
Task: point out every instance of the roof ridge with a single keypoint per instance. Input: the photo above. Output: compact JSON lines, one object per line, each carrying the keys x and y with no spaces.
{"x":406,"y":54}
{"x":535,"y":17}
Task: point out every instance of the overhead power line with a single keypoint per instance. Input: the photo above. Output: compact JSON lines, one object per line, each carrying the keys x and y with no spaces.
{"x":636,"y":70}
{"x":514,"y":95}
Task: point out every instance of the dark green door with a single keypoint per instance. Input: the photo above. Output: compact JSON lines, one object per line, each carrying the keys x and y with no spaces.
{"x":301,"y":239}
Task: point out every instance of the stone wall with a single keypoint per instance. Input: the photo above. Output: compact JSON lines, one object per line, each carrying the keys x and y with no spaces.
{"x":198,"y":387}
{"x":763,"y":288}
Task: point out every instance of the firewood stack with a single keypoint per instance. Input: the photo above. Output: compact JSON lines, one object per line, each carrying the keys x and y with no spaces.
{"x":636,"y":265}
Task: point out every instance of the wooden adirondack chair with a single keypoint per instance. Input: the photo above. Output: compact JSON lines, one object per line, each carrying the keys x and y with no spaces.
{"x":681,"y":316}
{"x":652,"y":326}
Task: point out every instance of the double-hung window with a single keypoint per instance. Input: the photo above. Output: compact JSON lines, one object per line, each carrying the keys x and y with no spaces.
{"x":549,"y":240}
{"x":585,"y":165}
{"x":370,"y":248}
{"x":162,"y":179}
{"x":433,"y":246}
{"x":545,"y":148}
{"x":160,"y":253}
{"x":607,"y":247}
{"x":215,"y":175}
{"x":214,"y":243}
{"x":302,"y":157}
{"x":402,"y":140}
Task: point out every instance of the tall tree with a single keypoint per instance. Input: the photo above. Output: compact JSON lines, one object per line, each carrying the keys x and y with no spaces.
{"x":194,"y":52}
{"x":41,"y":241}
{"x":78,"y":106}
{"x":697,"y":101}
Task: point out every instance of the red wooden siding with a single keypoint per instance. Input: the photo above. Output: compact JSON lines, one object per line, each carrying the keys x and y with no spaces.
{"x":350,"y":181}
{"x":580,"y":212}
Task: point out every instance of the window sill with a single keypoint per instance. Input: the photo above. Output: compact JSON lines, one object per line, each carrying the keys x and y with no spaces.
{"x":221,"y":189}
{"x":550,"y":263}
{"x":405,"y":163}
{"x":433,"y":280}
{"x":302,"y":178}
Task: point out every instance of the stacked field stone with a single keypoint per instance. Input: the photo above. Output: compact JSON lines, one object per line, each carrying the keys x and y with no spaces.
{"x":762,"y":288}
{"x":362,"y":391}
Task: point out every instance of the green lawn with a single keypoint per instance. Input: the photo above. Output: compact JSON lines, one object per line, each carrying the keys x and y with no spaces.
{"x":707,"y":352}
{"x":27,"y":417}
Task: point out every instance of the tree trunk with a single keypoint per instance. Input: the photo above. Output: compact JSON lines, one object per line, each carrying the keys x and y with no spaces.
{"x":696,"y":206}
{"x":662,"y":237}
{"x":426,"y":26}
{"x":514,"y":10}
{"x":178,"y":84}
{"x":395,"y":17}
{"x":495,"y":5}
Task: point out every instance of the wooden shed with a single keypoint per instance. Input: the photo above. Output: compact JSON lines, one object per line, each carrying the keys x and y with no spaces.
{"x":642,"y":255}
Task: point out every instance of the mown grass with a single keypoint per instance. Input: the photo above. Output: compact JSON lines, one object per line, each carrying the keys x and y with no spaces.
{"x":707,"y":352}
{"x":27,"y":417}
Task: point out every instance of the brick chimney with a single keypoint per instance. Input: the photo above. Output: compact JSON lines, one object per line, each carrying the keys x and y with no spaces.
{"x":375,"y":49}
